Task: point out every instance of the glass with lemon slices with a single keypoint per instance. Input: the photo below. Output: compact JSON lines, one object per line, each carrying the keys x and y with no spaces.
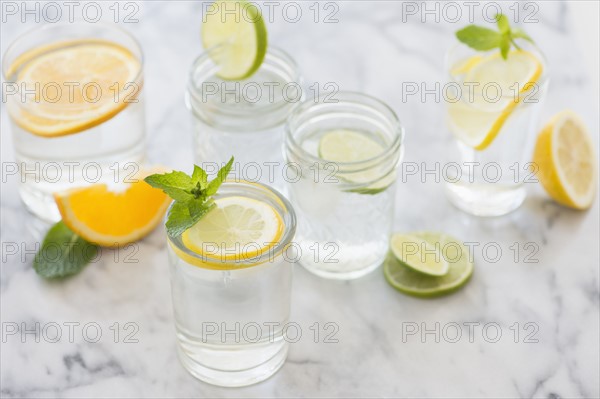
{"x":231,"y":276}
{"x":342,"y":157}
{"x":492,"y":110}
{"x":74,"y":96}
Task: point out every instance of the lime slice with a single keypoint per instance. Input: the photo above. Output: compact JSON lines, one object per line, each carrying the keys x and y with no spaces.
{"x":419,"y":254}
{"x":477,"y":123}
{"x":411,"y":282}
{"x":237,"y":228}
{"x":346,"y":146}
{"x":235,"y":34}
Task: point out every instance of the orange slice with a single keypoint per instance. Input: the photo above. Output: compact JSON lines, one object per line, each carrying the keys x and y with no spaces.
{"x":76,"y":84}
{"x":110,"y":218}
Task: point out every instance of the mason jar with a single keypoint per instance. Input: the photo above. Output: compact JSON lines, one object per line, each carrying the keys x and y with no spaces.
{"x":232,"y":313}
{"x":345,"y":209}
{"x":244,"y":118}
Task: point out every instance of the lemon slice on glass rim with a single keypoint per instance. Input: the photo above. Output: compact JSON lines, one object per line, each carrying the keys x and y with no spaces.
{"x":237,"y":229}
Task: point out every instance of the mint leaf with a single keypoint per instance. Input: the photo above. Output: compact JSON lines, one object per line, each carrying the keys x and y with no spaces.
{"x":505,"y":47}
{"x":483,"y":39}
{"x":479,"y":38}
{"x":200,"y":176}
{"x":175,"y":184}
{"x":63,"y":253}
{"x":191,"y":195}
{"x":502,"y":23}
{"x":214,"y":185}
{"x":178,"y":219}
{"x":519,"y":33}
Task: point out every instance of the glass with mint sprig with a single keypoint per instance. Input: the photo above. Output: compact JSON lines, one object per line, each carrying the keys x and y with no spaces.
{"x":481,"y":38}
{"x":192,"y":195}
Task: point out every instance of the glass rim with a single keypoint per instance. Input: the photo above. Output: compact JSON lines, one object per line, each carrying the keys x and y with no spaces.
{"x":79,"y":22}
{"x":205,"y":59}
{"x":541,"y":82}
{"x":272,"y":253}
{"x":347,"y":97}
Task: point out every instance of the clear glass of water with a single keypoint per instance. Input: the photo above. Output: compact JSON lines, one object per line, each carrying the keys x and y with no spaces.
{"x":490,"y":181}
{"x":80,"y":128}
{"x":345,"y":209}
{"x":231,"y":315}
{"x":243,"y":118}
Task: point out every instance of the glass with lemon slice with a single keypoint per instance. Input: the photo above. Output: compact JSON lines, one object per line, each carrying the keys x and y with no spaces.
{"x":342,"y":159}
{"x":74,"y":97}
{"x":492,"y":110}
{"x":231,"y":276}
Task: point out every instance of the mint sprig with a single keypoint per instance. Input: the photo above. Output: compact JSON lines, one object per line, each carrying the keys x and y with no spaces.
{"x":484,"y":39}
{"x":192,"y":195}
{"x":63,"y":253}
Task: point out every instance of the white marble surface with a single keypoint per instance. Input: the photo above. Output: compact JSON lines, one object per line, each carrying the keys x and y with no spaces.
{"x":372,"y":50}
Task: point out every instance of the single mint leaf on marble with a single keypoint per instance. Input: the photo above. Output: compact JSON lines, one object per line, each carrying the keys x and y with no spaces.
{"x":484,"y":39}
{"x":192,"y":195}
{"x":63,"y":253}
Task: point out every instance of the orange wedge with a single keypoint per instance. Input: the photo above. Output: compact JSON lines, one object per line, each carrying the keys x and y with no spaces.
{"x":77,"y":84}
{"x":113,"y":219}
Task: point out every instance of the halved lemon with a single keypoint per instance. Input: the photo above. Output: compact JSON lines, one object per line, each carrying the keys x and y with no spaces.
{"x":235,"y":35}
{"x":113,"y":219}
{"x":238,"y":228}
{"x":565,"y":156}
{"x":78,"y":84}
{"x":477,"y":123}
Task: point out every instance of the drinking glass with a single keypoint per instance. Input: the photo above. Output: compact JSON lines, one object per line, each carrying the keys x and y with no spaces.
{"x":487,"y":178}
{"x":345,"y":209}
{"x":243,"y":118}
{"x":231,"y":314}
{"x":85,"y":129}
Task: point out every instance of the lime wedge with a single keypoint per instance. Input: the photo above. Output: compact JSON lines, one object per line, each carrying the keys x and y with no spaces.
{"x":235,"y":35}
{"x":405,"y":279}
{"x":419,"y":254}
{"x":347,"y":146}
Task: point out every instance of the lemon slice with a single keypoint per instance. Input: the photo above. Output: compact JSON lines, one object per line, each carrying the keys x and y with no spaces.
{"x":235,"y":35}
{"x":565,"y":156}
{"x":83,"y":83}
{"x":477,"y":123}
{"x":417,"y":253}
{"x":238,"y":228}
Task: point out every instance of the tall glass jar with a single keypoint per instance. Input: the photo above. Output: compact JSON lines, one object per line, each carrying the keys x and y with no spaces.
{"x":345,"y":209}
{"x":231,"y":313}
{"x":243,"y":118}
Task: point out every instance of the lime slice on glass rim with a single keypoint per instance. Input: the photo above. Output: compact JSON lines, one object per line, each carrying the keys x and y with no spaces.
{"x":235,"y":35}
{"x":411,"y":282}
{"x":344,"y":146}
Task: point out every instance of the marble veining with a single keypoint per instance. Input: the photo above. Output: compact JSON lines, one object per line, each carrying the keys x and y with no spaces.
{"x":367,"y":350}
